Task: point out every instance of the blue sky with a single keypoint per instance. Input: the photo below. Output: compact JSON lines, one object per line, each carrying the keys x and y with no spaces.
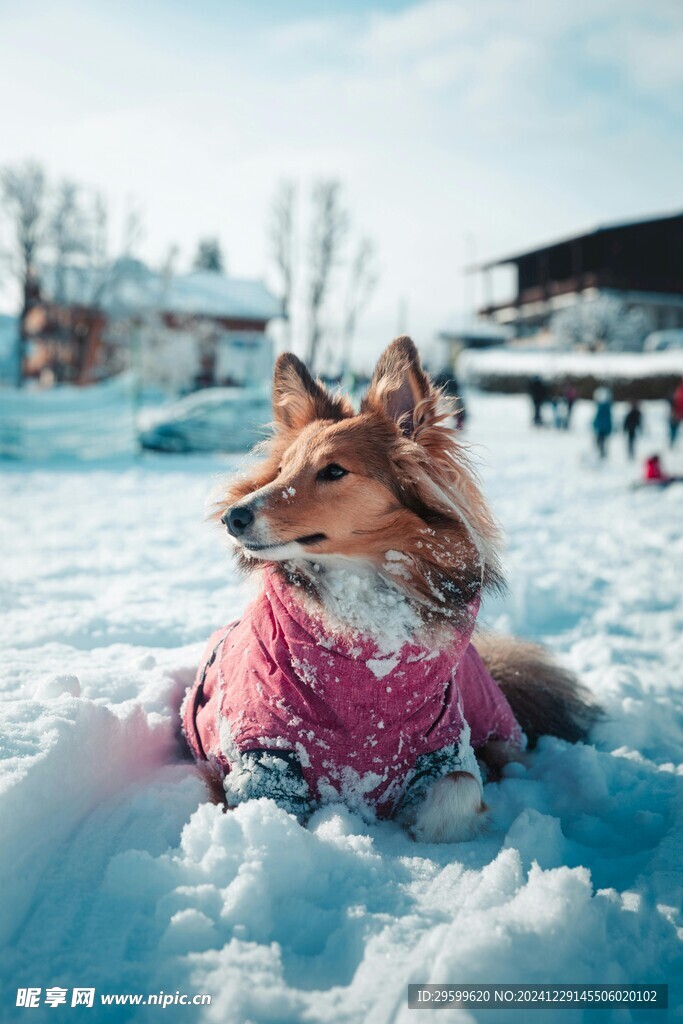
{"x":458,"y":128}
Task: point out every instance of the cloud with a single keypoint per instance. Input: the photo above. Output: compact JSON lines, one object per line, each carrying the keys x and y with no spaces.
{"x":648,"y":55}
{"x":419,"y":29}
{"x":494,"y":44}
{"x":293,"y":37}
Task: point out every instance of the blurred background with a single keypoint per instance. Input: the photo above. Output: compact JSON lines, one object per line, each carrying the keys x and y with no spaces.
{"x":184,"y":191}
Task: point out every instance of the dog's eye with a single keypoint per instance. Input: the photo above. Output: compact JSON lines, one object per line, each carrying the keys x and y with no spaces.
{"x":332,"y":472}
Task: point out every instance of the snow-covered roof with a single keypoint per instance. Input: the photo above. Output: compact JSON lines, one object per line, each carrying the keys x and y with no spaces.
{"x":213,"y":294}
{"x":129,"y":285}
{"x":475,"y":331}
{"x":606,"y":366}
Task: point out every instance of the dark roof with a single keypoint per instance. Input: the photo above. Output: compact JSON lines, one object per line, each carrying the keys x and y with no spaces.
{"x":577,"y":238}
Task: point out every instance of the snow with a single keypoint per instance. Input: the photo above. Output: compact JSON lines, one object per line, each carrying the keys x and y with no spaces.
{"x":69,"y":422}
{"x":116,"y":872}
{"x":95,"y":423}
{"x":213,"y":294}
{"x":356,"y":606}
{"x":473,"y":364}
{"x":132,"y":285}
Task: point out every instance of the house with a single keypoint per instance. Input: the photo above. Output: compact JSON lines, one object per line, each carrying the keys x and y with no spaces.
{"x":640,"y":263}
{"x":179,"y":332}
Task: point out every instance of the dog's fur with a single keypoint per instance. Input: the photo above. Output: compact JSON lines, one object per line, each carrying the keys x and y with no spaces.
{"x":408,"y":487}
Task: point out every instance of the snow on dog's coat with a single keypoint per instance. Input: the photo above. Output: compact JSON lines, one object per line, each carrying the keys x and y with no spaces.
{"x":358,"y":720}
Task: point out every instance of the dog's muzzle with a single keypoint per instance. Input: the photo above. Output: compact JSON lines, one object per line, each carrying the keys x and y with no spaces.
{"x":237,"y":520}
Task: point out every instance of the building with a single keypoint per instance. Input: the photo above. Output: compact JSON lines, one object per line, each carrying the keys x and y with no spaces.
{"x":179,"y":332}
{"x":639,"y":263}
{"x":469,"y":333}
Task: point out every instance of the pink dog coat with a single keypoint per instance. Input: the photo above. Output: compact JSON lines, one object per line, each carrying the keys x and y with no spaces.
{"x":360,"y":723}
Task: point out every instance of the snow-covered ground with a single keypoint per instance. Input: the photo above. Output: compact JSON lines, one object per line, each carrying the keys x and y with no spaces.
{"x":69,"y":422}
{"x":115,"y":871}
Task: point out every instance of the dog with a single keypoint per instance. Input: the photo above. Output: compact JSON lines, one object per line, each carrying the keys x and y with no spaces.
{"x":356,"y":674}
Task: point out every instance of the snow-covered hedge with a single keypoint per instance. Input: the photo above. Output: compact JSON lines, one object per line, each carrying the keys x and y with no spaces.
{"x":631,"y":376}
{"x":68,"y":422}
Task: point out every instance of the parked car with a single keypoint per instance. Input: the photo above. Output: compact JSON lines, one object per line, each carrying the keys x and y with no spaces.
{"x":211,"y":420}
{"x":661,"y":341}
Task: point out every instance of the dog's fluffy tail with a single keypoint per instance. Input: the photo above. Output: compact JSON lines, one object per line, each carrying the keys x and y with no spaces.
{"x":545,"y":698}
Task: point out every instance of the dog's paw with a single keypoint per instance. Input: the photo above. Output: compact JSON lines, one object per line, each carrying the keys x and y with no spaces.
{"x":452,"y":810}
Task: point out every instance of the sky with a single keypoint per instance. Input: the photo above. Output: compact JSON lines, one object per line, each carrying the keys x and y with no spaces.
{"x":460,"y":130}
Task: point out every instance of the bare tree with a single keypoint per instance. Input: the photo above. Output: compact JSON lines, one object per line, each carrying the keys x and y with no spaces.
{"x":100,"y":228}
{"x":111,"y":294}
{"x":79,"y":284}
{"x":23,"y":192}
{"x":69,"y":234}
{"x":89,"y":293}
{"x":328,"y":229}
{"x":281,"y":235}
{"x":106,"y":272}
{"x":602,"y":323}
{"x":133,"y":232}
{"x":362,"y":283}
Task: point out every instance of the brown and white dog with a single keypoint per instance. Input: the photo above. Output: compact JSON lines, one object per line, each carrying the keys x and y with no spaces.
{"x":385,"y":496}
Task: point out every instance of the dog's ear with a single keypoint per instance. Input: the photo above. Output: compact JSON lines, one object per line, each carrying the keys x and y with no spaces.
{"x":298,"y":399}
{"x":399,"y":385}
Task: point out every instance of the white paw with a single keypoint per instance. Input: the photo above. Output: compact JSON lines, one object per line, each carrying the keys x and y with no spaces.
{"x":452,"y":811}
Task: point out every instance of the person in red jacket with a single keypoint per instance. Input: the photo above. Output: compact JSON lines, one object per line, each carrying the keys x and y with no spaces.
{"x":653,"y":473}
{"x":652,"y":470}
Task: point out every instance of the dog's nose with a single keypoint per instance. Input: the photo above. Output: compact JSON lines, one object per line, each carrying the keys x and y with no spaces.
{"x":238,"y":519}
